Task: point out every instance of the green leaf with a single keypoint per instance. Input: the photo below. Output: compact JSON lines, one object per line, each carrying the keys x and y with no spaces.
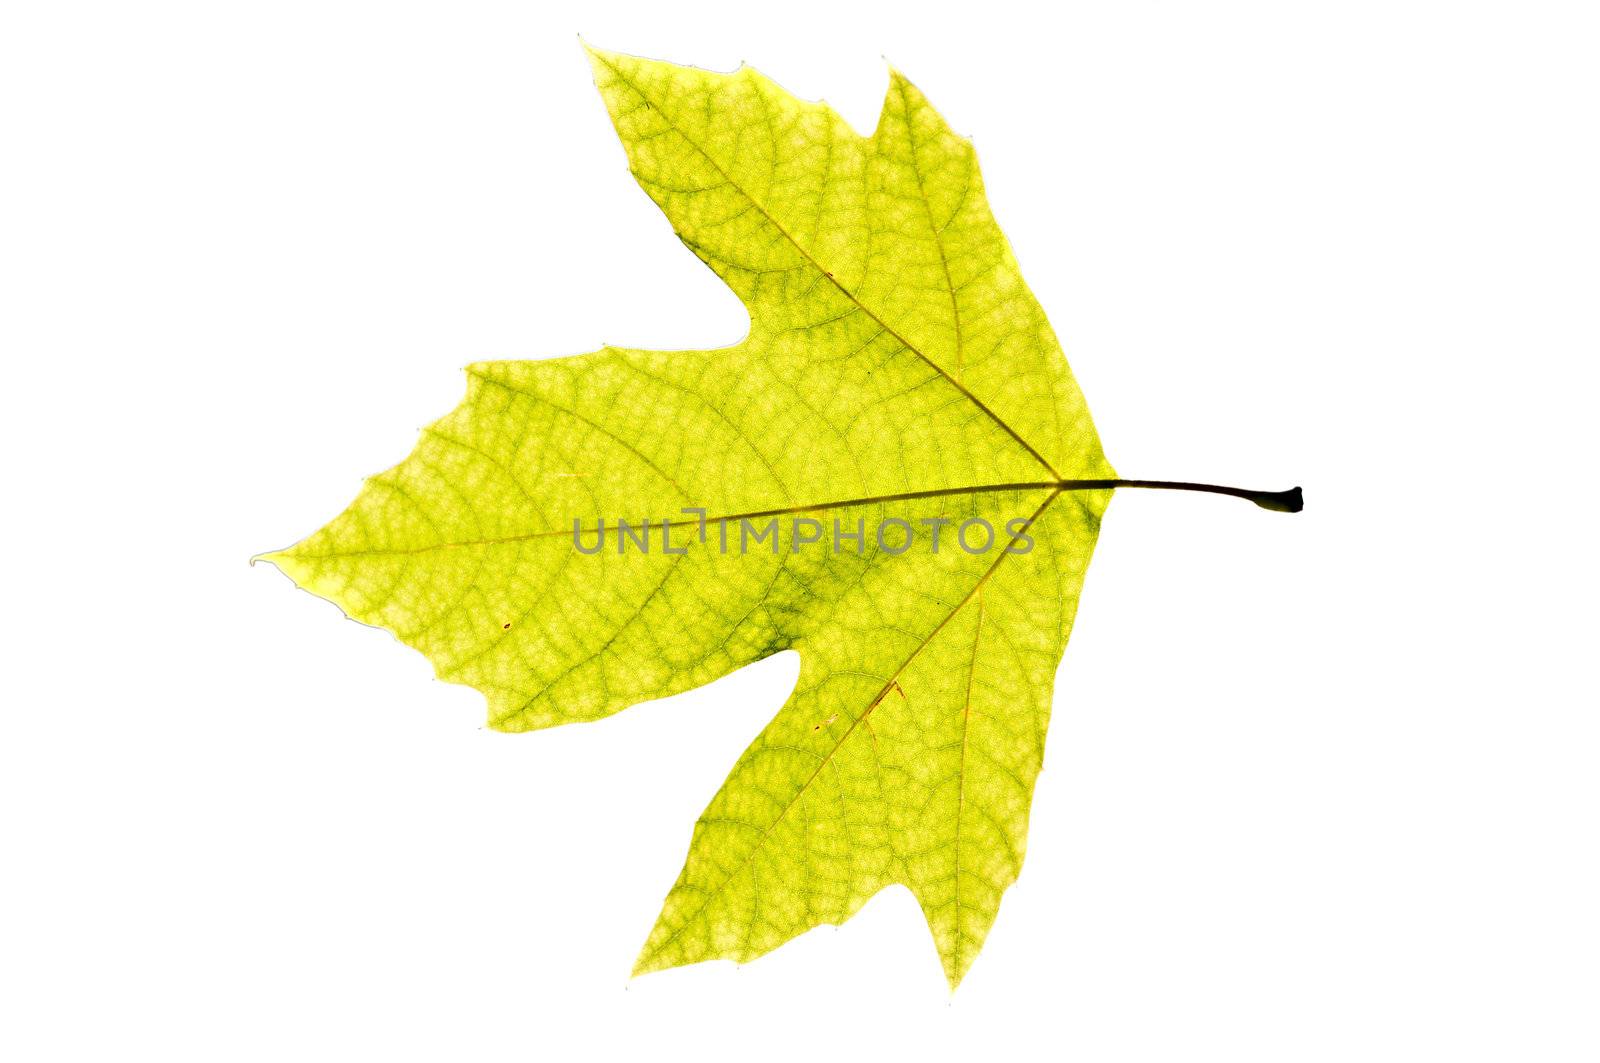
{"x":896,"y":367}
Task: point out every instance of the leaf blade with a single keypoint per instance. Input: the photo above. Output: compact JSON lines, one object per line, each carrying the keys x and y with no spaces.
{"x":897,"y":369}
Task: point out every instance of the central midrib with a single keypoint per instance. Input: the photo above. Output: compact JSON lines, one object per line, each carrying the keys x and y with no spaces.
{"x":755,"y":514}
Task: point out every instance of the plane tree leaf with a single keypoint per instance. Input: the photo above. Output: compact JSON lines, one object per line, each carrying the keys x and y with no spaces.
{"x":899,"y":386}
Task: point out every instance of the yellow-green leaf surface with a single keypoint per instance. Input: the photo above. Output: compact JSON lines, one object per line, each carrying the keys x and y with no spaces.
{"x":896,"y":367}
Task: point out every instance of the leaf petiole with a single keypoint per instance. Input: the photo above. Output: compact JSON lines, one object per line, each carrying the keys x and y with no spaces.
{"x":1289,"y":501}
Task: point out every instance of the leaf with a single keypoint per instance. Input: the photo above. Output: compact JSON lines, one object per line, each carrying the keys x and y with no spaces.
{"x":896,"y":368}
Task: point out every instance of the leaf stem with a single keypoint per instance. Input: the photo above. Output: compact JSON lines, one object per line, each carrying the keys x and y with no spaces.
{"x":1288,"y":501}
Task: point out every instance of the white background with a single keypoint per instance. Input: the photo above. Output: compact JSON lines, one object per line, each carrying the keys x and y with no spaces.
{"x":1319,"y":787}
